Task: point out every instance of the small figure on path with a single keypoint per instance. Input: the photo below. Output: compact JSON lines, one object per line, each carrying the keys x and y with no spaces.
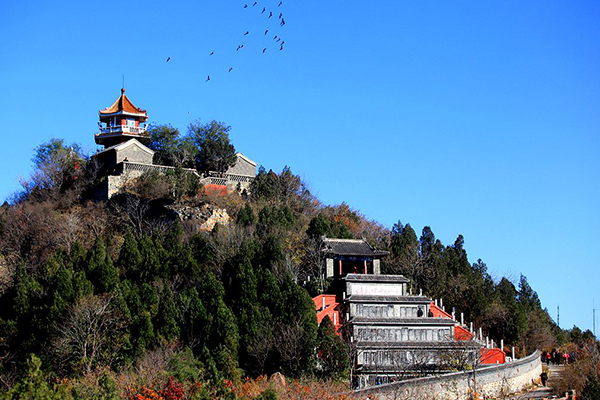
{"x":544,"y":377}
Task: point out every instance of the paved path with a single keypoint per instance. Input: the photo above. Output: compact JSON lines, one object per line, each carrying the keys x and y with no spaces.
{"x":541,"y":392}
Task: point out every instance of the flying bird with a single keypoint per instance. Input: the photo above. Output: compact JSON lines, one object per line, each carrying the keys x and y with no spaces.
{"x":281,"y":48}
{"x":208,"y":78}
{"x":255,"y":3}
{"x":280,"y":15}
{"x":267,"y":31}
{"x":282,"y":22}
{"x":264,"y":9}
{"x":230,"y":69}
{"x":245,"y":5}
{"x":275,"y":37}
{"x":278,"y":39}
{"x":239,"y":47}
{"x":265,"y":49}
{"x":247,"y":33}
{"x":211,"y":53}
{"x":270,"y":14}
{"x":280,"y":3}
{"x":168,"y":59}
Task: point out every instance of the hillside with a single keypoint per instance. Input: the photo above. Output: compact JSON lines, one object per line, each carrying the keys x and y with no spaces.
{"x":126,"y":295}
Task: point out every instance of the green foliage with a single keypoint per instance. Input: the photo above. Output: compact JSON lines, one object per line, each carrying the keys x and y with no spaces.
{"x":333,"y":359}
{"x":246,"y":216}
{"x":34,"y":385}
{"x":215,"y":152}
{"x":100,"y":269}
{"x":56,"y":169}
{"x":107,"y":388}
{"x":268,"y":394}
{"x":170,"y":148}
{"x":591,"y":390}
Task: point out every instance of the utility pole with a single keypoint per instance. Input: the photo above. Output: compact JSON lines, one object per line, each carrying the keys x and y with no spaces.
{"x":594,"y":309}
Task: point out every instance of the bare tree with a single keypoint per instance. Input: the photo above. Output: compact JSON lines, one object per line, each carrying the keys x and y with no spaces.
{"x":132,"y":210}
{"x":314,"y":259}
{"x":260,"y":346}
{"x":89,"y":332}
{"x":288,"y":341}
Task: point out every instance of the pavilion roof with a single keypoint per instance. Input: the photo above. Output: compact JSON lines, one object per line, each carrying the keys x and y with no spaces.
{"x":123,"y":105}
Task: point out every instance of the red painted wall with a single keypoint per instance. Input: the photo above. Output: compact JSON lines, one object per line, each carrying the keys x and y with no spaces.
{"x":492,"y":356}
{"x":331,"y":309}
{"x":438,"y":312}
{"x":461,"y":333}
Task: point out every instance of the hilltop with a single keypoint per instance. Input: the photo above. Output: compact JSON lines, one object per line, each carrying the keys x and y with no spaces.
{"x":137,"y":291}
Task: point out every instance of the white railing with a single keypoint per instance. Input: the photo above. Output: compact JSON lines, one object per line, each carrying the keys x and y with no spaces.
{"x":122,"y":129}
{"x":213,"y":178}
{"x":230,"y":177}
{"x":132,"y":166}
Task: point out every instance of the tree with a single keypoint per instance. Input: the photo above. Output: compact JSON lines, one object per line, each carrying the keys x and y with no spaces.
{"x":100,"y":268}
{"x":171,"y":149}
{"x":56,"y":167}
{"x":89,"y":333}
{"x":215,"y":152}
{"x":333,"y":360}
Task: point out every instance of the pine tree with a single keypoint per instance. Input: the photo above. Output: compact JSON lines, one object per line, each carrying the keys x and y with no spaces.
{"x":333,"y":359}
{"x":100,"y":269}
{"x":130,"y":259}
{"x":246,"y":216}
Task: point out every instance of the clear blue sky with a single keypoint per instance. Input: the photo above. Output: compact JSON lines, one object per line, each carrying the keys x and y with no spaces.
{"x":478,"y":118}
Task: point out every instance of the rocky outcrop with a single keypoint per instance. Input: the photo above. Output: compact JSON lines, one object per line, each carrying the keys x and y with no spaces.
{"x":204,"y":216}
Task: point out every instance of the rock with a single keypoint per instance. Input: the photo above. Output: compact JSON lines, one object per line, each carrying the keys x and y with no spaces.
{"x":204,"y":216}
{"x":277,"y":381}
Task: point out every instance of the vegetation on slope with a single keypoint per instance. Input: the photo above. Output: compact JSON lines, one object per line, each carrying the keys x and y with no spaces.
{"x":118,"y":298}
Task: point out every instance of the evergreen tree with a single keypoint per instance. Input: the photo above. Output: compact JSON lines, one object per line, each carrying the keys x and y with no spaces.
{"x":100,"y":269}
{"x":333,"y":359}
{"x":166,"y":324}
{"x":246,"y":216}
{"x":130,"y":258}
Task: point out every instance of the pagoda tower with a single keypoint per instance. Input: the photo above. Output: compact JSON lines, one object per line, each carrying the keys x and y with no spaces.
{"x":121,"y":122}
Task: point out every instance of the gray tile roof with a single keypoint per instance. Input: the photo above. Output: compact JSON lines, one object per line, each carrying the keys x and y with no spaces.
{"x":376,"y":278}
{"x":351,"y":247}
{"x":380,"y":322}
{"x":436,"y":345}
{"x":388,"y":299}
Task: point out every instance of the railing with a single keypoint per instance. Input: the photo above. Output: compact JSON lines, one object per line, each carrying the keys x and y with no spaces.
{"x":132,"y":166}
{"x":230,"y":177}
{"x":213,"y":178}
{"x":122,"y":129}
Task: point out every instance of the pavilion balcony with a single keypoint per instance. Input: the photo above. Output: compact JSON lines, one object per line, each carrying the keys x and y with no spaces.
{"x":122,"y":129}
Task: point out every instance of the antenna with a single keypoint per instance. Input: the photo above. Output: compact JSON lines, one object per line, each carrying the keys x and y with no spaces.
{"x":558,"y":315}
{"x":123,"y":85}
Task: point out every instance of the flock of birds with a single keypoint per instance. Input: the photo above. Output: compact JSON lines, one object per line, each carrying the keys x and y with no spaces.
{"x":277,"y":39}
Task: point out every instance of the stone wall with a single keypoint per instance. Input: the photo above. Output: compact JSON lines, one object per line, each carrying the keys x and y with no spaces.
{"x":492,"y":381}
{"x":117,"y":182}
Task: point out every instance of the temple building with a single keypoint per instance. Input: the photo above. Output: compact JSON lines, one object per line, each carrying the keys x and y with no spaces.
{"x":351,"y":256}
{"x":393,"y":333}
{"x":124,"y":158}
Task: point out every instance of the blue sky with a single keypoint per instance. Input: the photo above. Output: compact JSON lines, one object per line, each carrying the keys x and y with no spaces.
{"x":473,"y":117}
